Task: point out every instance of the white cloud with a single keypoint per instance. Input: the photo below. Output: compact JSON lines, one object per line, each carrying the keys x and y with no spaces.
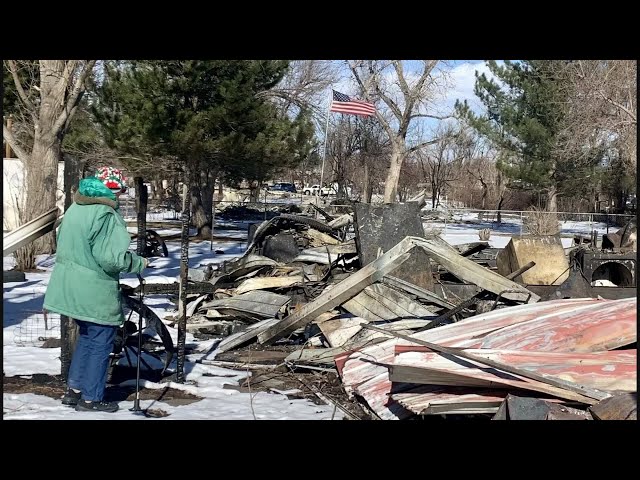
{"x":463,"y":80}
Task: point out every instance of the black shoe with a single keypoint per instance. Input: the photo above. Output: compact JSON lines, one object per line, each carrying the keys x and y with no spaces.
{"x":71,"y":398}
{"x":84,"y":406}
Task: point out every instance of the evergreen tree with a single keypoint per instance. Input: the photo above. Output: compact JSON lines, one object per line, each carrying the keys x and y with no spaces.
{"x":523,"y":118}
{"x":207,"y":116}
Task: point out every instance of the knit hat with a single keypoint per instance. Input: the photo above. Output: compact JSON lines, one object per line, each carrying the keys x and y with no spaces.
{"x":112,"y":178}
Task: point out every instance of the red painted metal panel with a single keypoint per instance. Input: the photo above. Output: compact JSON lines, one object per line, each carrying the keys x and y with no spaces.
{"x":469,"y":332}
{"x":360,"y":375}
{"x":615,"y":370}
{"x":598,"y":327}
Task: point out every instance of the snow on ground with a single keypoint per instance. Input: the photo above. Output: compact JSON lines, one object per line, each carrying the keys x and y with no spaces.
{"x":22,"y":355}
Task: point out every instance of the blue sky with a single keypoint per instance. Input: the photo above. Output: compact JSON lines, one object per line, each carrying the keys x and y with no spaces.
{"x":460,"y":86}
{"x":462,"y":74}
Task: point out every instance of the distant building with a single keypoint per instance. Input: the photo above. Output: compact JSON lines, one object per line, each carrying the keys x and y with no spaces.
{"x":14,"y":192}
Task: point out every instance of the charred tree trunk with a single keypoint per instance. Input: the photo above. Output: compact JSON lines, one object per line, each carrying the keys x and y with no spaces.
{"x":141,"y":205}
{"x":184,"y":273}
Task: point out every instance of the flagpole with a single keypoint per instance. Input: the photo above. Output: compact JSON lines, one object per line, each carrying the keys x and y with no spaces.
{"x":324,"y":154}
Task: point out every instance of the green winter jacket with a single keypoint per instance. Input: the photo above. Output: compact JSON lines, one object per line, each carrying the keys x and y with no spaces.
{"x":93,"y":245}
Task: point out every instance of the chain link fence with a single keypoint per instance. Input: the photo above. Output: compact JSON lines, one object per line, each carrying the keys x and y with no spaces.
{"x":569,"y":222}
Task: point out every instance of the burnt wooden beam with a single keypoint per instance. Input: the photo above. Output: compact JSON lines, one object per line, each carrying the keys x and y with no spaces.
{"x":342,"y":292}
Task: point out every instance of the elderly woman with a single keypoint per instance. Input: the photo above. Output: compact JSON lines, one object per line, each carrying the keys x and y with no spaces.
{"x":93,"y":249}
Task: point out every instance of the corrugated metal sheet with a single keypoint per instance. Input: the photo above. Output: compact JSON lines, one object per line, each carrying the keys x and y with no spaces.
{"x":614,"y":370}
{"x":468,"y":331}
{"x":360,"y":373}
{"x":593,"y":328}
{"x":380,"y":302}
{"x":431,"y":399}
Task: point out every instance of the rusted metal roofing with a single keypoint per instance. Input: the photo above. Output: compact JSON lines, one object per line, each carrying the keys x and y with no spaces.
{"x":612,"y":371}
{"x":596,"y":327}
{"x":461,"y":334}
{"x":363,"y":372}
{"x":434,"y":399}
{"x":458,"y":334}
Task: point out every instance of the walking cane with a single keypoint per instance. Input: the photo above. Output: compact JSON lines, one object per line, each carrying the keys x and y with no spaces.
{"x":136,"y":402}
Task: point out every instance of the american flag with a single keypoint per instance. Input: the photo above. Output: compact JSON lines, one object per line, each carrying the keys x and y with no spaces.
{"x":344,"y":104}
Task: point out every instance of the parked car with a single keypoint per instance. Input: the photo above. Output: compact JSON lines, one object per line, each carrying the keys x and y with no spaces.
{"x":312,"y":190}
{"x":282,"y":187}
{"x":324,"y":191}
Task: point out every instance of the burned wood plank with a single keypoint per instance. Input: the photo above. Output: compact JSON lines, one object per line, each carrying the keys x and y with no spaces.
{"x":322,"y":356}
{"x":467,"y":303}
{"x":469,"y":249}
{"x":338,"y":331}
{"x":239,"y":338}
{"x":169,"y":288}
{"x":319,"y":239}
{"x":265,"y":283}
{"x":471,"y":272}
{"x":340,"y":293}
{"x":260,"y":303}
{"x":380,"y":302}
{"x":341,"y":221}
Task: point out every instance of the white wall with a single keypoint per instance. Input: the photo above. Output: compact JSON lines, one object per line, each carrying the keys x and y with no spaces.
{"x":14,"y":191}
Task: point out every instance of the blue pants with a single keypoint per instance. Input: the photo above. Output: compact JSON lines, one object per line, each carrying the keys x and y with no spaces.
{"x":90,"y":360}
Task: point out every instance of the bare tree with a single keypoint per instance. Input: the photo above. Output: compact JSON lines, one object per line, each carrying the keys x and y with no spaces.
{"x":305,"y":86}
{"x":602,"y":117}
{"x":406,"y":94}
{"x":373,"y":155}
{"x":441,"y":162}
{"x":343,"y":146}
{"x":47,"y":102}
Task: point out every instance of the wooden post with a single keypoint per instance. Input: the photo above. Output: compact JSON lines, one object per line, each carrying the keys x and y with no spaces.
{"x":73,"y":169}
{"x":184,"y":272}
{"x":141,"y":205}
{"x":213,"y":215}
